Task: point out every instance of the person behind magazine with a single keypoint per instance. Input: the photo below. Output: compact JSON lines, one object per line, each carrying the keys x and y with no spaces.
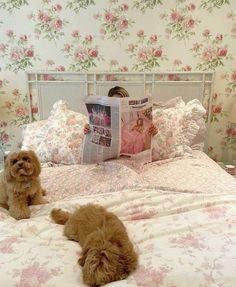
{"x":120,"y":92}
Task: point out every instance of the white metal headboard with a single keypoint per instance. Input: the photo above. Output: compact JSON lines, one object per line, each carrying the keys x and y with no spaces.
{"x":48,"y":87}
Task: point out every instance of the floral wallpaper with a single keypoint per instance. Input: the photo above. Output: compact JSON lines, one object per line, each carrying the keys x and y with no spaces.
{"x":116,"y":35}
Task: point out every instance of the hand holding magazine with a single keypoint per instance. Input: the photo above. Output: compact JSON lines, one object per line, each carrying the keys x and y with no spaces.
{"x":119,"y":126}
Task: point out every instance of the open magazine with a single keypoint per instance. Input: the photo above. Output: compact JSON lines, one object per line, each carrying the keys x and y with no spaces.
{"x":119,"y":126}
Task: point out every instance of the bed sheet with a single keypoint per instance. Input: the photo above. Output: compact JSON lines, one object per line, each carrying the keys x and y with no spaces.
{"x":184,"y":236}
{"x":195,"y":174}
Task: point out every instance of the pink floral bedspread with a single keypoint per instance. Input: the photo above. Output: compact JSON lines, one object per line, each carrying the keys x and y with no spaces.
{"x":183,"y":227}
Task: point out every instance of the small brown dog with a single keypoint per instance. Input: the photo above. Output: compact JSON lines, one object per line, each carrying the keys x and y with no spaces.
{"x":107,"y":253}
{"x":20,"y":184}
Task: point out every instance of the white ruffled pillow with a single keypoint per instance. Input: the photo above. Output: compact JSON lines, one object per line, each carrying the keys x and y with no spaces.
{"x":32,"y":134}
{"x":178,"y":125}
{"x":63,"y":138}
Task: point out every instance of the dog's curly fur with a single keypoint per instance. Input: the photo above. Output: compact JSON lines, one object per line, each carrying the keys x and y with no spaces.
{"x":107,"y":253}
{"x":20,"y":184}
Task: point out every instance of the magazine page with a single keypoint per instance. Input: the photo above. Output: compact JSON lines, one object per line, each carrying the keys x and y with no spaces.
{"x":136,"y":120}
{"x":103,"y":141}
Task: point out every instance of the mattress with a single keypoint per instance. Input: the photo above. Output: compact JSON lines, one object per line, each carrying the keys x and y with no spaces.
{"x":180,"y":214}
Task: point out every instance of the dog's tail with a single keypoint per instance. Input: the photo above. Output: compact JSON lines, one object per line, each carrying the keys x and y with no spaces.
{"x":60,"y":216}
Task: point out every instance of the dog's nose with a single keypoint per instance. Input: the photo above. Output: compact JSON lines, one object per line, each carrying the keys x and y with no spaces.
{"x":20,"y":164}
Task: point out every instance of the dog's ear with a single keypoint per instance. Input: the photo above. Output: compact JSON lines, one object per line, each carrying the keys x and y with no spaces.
{"x":7,"y":167}
{"x":35,"y":161}
{"x":82,"y":259}
{"x":129,"y":259}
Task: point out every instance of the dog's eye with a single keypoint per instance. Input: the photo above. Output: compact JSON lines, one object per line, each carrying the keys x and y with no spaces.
{"x":14,"y":161}
{"x":25,"y":158}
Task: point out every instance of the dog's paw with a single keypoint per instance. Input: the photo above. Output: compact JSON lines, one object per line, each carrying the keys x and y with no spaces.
{"x":19,"y":213}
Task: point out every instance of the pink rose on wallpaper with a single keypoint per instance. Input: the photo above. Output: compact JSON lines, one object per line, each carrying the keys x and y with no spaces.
{"x":123,"y":24}
{"x":143,"y":54}
{"x":15,"y":92}
{"x":19,"y":53}
{"x":57,"y":24}
{"x":181,"y":21}
{"x":191,"y":7}
{"x":176,"y":17}
{"x":4,"y":137}
{"x":222,"y":52}
{"x":60,"y":68}
{"x":48,"y":23}
{"x":233,"y":76}
{"x":187,"y":68}
{"x":20,"y":111}
{"x":208,"y":54}
{"x":188,"y":23}
{"x":23,"y":38}
{"x":109,"y":17}
{"x":2,"y":47}
{"x":67,"y":47}
{"x":57,"y":7}
{"x":124,"y":7}
{"x":131,"y":48}
{"x":219,"y":37}
{"x":231,"y":132}
{"x":211,"y":52}
{"x":89,"y":38}
{"x":114,"y":21}
{"x":75,"y":33}
{"x":140,"y":33}
{"x":34,"y":109}
{"x":146,"y":54}
{"x":93,"y":53}
{"x":206,"y":33}
{"x":43,"y":17}
{"x":3,"y":124}
{"x":82,"y":52}
{"x":29,"y":53}
{"x":15,"y":54}
{"x":123,"y":68}
{"x":10,"y":33}
{"x":216,"y":109}
{"x":153,"y":38}
{"x":157,"y":53}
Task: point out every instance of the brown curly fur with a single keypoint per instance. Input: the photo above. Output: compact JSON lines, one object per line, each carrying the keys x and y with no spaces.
{"x":20,"y":184}
{"x":107,"y":253}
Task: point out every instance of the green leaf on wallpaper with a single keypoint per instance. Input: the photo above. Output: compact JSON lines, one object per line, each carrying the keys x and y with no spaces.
{"x":77,"y":5}
{"x":144,"y":5}
{"x":211,"y":4}
{"x":10,"y":5}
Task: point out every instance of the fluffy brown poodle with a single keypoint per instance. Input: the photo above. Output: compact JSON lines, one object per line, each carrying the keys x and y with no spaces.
{"x":20,"y":184}
{"x":107,"y":253}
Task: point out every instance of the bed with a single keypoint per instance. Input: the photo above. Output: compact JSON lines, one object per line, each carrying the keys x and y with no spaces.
{"x":180,"y":212}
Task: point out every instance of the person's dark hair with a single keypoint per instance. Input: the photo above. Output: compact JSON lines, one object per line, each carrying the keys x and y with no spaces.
{"x":118,"y":91}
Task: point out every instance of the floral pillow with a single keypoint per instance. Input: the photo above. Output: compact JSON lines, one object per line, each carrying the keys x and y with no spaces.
{"x":178,"y":125}
{"x":64,"y":136}
{"x":33,"y":134}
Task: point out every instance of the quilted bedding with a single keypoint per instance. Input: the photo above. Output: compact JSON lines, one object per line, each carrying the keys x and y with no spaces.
{"x":180,"y":214}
